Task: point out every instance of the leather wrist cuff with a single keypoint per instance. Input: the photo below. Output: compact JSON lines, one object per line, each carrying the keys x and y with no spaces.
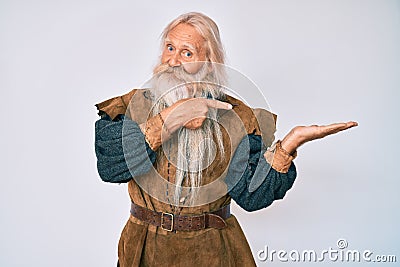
{"x":153,"y":131}
{"x":279,"y":158}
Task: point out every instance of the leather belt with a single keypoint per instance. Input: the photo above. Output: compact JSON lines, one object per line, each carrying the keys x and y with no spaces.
{"x":174,"y":222}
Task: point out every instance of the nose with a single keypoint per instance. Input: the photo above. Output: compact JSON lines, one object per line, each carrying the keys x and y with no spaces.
{"x":174,"y":60}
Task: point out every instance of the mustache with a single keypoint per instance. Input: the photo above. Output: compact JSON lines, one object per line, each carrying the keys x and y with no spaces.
{"x":164,"y":68}
{"x":177,"y":71}
{"x":181,"y":72}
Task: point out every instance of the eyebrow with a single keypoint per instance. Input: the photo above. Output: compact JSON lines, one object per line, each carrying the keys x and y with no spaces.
{"x":189,"y":46}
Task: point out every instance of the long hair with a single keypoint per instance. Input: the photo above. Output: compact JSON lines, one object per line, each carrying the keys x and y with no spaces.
{"x":196,"y":148}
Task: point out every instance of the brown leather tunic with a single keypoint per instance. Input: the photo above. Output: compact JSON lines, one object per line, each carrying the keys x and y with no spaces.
{"x":147,"y":245}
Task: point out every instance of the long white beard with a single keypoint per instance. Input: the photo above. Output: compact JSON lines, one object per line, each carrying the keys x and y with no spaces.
{"x":196,"y":148}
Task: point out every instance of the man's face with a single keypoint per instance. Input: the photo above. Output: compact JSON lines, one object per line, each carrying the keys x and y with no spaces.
{"x":184,"y":44}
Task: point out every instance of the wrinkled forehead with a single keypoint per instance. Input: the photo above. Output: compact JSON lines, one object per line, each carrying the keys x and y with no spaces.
{"x":185,"y":36}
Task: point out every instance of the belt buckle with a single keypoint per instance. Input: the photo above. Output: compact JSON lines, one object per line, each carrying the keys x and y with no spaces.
{"x":172,"y":221}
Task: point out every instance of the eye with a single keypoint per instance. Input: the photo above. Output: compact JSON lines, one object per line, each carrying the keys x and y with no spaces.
{"x":187,"y":54}
{"x":170,"y":48}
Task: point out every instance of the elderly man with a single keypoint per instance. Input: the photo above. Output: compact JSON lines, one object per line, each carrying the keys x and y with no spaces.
{"x":186,"y":149}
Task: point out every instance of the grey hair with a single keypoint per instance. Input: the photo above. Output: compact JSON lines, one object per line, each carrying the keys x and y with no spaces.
{"x":207,"y":28}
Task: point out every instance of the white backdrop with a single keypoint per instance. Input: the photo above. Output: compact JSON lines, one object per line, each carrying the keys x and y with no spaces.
{"x":316,"y":61}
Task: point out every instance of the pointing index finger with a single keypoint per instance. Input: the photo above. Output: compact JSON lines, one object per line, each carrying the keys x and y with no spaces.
{"x":218,"y":104}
